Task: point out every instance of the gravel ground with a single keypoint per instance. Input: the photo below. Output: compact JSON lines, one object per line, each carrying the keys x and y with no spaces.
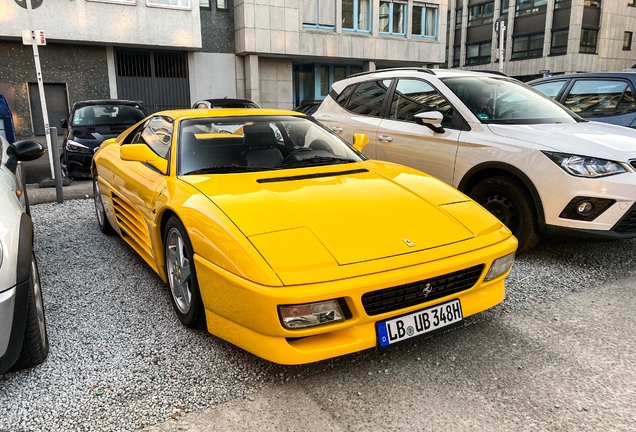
{"x":119,"y":358}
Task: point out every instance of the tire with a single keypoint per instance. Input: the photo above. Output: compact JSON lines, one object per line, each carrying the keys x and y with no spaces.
{"x":64,"y":168}
{"x":184,"y":289}
{"x":102,"y":220}
{"x":35,"y":347}
{"x":509,"y":200}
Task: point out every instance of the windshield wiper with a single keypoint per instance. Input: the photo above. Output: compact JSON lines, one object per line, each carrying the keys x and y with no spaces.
{"x":229,"y":169}
{"x":317,"y":160}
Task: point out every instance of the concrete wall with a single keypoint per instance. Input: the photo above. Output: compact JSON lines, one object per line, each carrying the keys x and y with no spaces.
{"x":99,"y":22}
{"x":60,"y":64}
{"x":275,"y":27}
{"x":212,"y":75}
{"x":275,"y":83}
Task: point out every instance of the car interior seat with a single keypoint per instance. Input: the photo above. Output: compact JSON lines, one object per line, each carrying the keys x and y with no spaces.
{"x":261,"y":146}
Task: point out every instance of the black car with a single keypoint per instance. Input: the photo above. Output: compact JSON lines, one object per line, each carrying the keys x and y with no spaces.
{"x":606,"y":97}
{"x":225,"y":103}
{"x":92,"y":122}
{"x":308,"y":107}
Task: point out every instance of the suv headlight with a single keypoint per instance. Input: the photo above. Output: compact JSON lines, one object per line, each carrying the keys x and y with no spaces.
{"x":74,"y":146}
{"x":581,"y":166}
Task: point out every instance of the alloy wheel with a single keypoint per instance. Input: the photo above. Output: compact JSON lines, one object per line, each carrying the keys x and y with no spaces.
{"x":179,"y":272}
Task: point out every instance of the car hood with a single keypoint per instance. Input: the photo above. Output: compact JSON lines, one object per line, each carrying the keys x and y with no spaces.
{"x":346,"y":213}
{"x":594,"y":139}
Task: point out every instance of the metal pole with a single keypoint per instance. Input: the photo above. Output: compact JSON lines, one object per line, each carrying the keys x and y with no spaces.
{"x":38,"y":71}
{"x":56,"y":165}
{"x":502,"y":35}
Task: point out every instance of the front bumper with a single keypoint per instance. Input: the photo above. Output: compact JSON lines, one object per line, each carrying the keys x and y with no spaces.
{"x":624,"y":228}
{"x":78,"y":164}
{"x":246,"y":314}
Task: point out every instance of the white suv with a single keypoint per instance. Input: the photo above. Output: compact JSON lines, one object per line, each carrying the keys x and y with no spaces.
{"x":541,"y":169}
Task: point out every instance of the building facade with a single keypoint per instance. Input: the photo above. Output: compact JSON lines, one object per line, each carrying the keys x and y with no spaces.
{"x":559,"y":36}
{"x":293,"y":50}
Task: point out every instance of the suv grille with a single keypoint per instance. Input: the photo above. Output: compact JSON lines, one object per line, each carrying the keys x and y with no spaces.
{"x":628,"y":223}
{"x":399,"y":297}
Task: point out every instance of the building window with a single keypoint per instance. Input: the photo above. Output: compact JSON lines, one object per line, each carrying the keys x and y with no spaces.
{"x":456,"y":54}
{"x":424,"y":22}
{"x":481,"y":14}
{"x":505,"y":5}
{"x":527,"y":46}
{"x":627,"y":41}
{"x":392,"y":18}
{"x":588,"y":41}
{"x":221,"y":4}
{"x":525,"y":7}
{"x":631,"y":3}
{"x":559,"y":44}
{"x":177,"y":4}
{"x":356,"y":15}
{"x":458,"y":19}
{"x":592,"y":3}
{"x":204,"y":4}
{"x":562,"y":4}
{"x":478,"y":53}
{"x":319,"y":13}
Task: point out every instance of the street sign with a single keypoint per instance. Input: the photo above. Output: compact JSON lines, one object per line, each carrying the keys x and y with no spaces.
{"x":34,"y":3}
{"x":498,"y":24}
{"x":40,"y":39}
{"x":544,"y":71}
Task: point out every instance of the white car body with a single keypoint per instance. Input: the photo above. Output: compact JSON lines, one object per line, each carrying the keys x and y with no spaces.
{"x":459,"y":156}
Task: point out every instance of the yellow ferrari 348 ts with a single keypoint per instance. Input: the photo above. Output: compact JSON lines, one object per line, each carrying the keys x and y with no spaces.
{"x":282,"y":239}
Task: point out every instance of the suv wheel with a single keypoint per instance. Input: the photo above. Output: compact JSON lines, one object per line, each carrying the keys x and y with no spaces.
{"x":511,"y":203}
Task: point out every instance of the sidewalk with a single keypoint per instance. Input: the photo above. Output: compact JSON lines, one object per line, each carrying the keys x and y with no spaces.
{"x":81,"y":189}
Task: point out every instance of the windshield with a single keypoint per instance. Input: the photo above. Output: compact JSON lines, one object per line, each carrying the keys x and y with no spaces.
{"x":94,"y":115}
{"x":503,"y":101}
{"x":257,"y":143}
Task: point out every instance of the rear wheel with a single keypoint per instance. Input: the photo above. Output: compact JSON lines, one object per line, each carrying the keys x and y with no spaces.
{"x":181,"y":274}
{"x":102,"y":220}
{"x":509,"y":200}
{"x":35,"y":346}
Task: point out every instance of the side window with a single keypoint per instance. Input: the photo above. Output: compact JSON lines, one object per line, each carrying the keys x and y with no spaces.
{"x":133,"y":137}
{"x":368,"y":97}
{"x":595,"y":97}
{"x":414,"y":96}
{"x":551,"y":88}
{"x":157,"y":135}
{"x":344,"y":96}
{"x":627,"y":101}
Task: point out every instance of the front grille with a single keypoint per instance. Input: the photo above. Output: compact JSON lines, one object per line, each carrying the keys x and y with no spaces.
{"x":628,"y":223}
{"x":399,"y":297}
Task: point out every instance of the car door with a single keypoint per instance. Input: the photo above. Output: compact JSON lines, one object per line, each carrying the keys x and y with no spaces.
{"x":140,"y":183}
{"x":403,"y":141}
{"x":359,"y":109}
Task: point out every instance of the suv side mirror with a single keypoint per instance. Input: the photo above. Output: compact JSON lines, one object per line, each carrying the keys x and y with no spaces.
{"x":360,"y":141}
{"x":144,"y":154}
{"x":431,"y":119}
{"x":23,"y":151}
{"x":64,"y":124}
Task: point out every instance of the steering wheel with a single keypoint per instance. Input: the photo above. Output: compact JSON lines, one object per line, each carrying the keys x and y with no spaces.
{"x":507,"y":113}
{"x":319,"y":144}
{"x":297,"y":152}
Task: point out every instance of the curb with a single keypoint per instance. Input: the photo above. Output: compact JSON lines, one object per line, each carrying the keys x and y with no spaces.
{"x":77,"y":190}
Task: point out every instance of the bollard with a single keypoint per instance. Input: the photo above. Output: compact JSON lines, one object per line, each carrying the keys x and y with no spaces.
{"x":57,"y":169}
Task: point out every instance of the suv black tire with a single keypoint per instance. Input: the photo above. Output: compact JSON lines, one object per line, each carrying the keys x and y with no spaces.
{"x":509,"y":200}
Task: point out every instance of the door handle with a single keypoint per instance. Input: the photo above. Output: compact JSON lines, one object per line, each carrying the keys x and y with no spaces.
{"x":385,"y":138}
{"x":336,"y":129}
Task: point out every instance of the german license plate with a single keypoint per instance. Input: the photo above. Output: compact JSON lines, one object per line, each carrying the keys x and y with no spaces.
{"x":422,"y":322}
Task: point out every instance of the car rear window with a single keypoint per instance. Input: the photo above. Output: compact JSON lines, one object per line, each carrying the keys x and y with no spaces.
{"x":94,"y":115}
{"x":368,"y":97}
{"x":600,"y":97}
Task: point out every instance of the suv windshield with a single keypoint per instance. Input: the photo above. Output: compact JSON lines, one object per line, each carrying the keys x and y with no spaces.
{"x":257,"y":143}
{"x":95,"y":115}
{"x":500,"y":100}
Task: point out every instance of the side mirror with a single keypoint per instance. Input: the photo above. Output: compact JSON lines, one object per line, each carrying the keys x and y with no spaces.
{"x":64,"y":124}
{"x":23,"y":151}
{"x":431,"y":119}
{"x":142,"y":153}
{"x":360,"y":141}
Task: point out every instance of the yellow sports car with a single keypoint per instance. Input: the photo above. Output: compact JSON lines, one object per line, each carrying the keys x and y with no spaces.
{"x":285,"y":241}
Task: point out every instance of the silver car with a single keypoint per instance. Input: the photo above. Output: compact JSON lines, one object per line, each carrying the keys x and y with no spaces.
{"x":23,"y":339}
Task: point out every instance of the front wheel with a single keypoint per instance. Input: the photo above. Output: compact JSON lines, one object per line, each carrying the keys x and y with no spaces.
{"x":102,"y":220}
{"x":182,"y":276}
{"x":35,"y":346}
{"x":509,"y":200}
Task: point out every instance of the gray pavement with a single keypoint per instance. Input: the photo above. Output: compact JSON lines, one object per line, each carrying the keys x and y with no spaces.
{"x":79,"y":189}
{"x":565,"y":365}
